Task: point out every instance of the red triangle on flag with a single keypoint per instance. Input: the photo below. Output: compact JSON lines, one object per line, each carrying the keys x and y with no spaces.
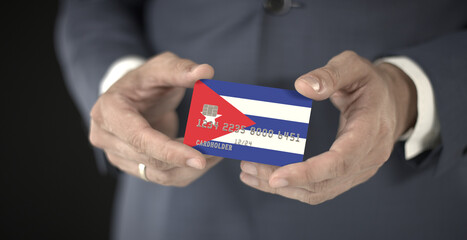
{"x":230,"y":116}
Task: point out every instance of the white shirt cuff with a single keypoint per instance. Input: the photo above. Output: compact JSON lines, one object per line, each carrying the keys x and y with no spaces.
{"x":118,"y":69}
{"x":426,"y":132}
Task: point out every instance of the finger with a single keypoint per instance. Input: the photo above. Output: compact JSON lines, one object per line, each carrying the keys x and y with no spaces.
{"x":185,"y":176}
{"x":316,"y":169}
{"x":328,"y":169}
{"x":353,"y":145}
{"x":290,"y":192}
{"x":178,"y":176}
{"x":262,"y":171}
{"x":342,"y":71}
{"x":132,"y":168}
{"x":169,"y":70}
{"x":329,"y":184}
{"x":128,"y":125}
{"x":305,"y":195}
{"x":111,"y":144}
{"x":348,"y":184}
{"x":210,"y":158}
{"x":119,"y":162}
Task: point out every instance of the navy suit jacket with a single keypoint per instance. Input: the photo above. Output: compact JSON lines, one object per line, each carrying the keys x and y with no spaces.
{"x":425,"y":198}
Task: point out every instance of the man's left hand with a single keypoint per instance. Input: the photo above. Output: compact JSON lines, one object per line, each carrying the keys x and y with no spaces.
{"x":377,"y":105}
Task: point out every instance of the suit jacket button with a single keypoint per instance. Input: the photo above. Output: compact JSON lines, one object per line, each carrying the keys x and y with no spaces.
{"x":280,"y":7}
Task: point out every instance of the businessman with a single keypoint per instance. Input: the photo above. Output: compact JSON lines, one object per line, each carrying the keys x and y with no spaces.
{"x":386,"y":153}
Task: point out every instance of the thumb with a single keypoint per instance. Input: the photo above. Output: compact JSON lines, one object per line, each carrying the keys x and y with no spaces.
{"x":169,"y":70}
{"x":338,"y":74}
{"x":201,"y":71}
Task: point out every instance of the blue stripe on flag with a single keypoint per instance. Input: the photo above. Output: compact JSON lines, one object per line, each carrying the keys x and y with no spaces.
{"x":279,"y":125}
{"x":260,"y":93}
{"x":253,"y":154}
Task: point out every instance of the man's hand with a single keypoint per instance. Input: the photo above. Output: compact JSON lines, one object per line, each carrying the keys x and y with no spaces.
{"x":135,"y":121}
{"x":377,"y":105}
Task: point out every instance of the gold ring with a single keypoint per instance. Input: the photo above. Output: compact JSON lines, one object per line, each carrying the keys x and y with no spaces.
{"x":142,"y":172}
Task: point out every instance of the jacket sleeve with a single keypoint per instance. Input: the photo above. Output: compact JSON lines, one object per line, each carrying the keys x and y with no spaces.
{"x":90,"y":35}
{"x":444,"y":60}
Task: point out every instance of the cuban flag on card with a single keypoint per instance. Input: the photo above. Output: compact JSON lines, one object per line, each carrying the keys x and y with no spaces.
{"x":247,"y":122}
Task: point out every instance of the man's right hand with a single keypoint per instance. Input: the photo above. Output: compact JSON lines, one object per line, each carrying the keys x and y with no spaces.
{"x":135,"y":121}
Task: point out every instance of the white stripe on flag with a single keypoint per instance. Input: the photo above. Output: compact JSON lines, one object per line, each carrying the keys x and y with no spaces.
{"x":273,"y":143}
{"x":270,"y":109}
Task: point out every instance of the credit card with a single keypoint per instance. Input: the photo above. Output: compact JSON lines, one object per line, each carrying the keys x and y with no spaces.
{"x":248,"y":122}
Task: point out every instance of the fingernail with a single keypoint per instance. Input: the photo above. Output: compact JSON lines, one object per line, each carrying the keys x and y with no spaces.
{"x":194,"y":163}
{"x":249,"y":180}
{"x":278,"y":183}
{"x":313,"y":82}
{"x":250,"y":169}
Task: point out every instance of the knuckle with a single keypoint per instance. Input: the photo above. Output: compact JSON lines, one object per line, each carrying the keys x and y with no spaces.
{"x":351,"y":56}
{"x":145,"y":79}
{"x":112,"y":160}
{"x":150,"y":161}
{"x":319,"y":186}
{"x":310,"y":173}
{"x":94,"y":139}
{"x":264,"y":172}
{"x":332,"y":73}
{"x":162,"y":56}
{"x":341,"y":167}
{"x":161,"y":59}
{"x":163,"y":178}
{"x":135,"y":141}
{"x":167,"y":54}
{"x":183,"y":65}
{"x":103,"y":110}
{"x":166,"y":153}
{"x":159,"y":164}
{"x":138,"y":140}
{"x":314,"y":199}
{"x":155,"y":163}
{"x":93,"y":113}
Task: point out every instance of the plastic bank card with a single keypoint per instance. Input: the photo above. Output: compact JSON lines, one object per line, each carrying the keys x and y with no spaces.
{"x":247,"y":122}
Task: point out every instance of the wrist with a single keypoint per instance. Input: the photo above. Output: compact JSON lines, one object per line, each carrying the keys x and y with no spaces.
{"x":404,"y":96}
